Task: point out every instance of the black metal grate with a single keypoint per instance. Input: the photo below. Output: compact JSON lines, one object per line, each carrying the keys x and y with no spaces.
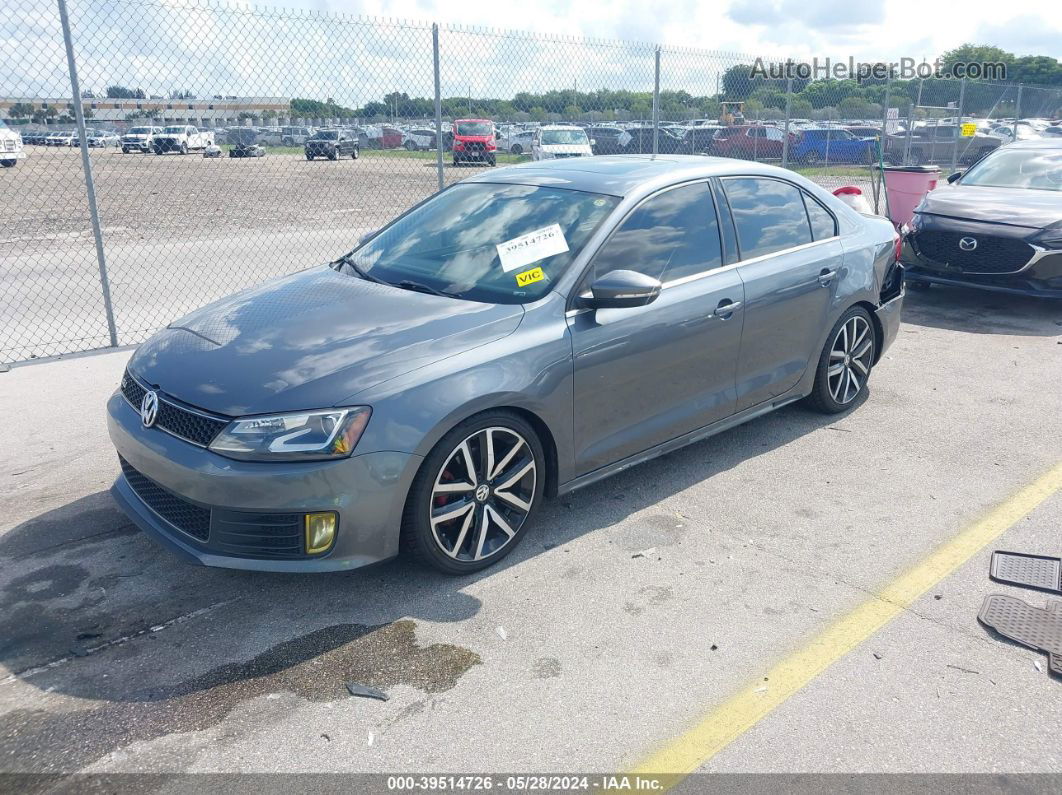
{"x":180,"y":513}
{"x":992,"y":254}
{"x":188,"y":425}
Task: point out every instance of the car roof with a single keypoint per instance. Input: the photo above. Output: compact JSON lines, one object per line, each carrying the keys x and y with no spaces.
{"x":1036,"y":143}
{"x":619,"y":175}
{"x":559,"y":127}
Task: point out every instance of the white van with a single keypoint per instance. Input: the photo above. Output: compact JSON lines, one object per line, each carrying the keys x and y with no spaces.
{"x":11,"y":150}
{"x":559,"y":140}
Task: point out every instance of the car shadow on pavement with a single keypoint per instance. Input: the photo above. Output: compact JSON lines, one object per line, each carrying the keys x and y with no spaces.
{"x":982,"y":312}
{"x":93,"y":609}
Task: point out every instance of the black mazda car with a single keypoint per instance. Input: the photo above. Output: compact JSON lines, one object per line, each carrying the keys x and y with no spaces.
{"x":998,"y":226}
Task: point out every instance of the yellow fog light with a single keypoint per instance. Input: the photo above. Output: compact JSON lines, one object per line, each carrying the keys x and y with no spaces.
{"x":320,"y":531}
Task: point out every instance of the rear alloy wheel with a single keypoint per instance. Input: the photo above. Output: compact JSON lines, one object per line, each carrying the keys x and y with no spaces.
{"x":516,"y":150}
{"x":354,"y":152}
{"x":845,"y":363}
{"x":475,"y":494}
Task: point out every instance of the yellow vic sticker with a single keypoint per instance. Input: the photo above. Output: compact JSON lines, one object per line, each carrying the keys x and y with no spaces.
{"x":968,"y":130}
{"x":529,"y":277}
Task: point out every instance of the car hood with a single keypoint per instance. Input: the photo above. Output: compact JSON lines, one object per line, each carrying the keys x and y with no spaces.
{"x":311,"y":340}
{"x":1013,"y":206}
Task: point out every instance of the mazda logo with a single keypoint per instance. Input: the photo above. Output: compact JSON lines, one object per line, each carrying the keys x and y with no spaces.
{"x":967,"y":243}
{"x":149,"y":409}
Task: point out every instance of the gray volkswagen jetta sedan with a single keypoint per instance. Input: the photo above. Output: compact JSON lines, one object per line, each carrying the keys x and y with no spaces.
{"x":520,"y":334}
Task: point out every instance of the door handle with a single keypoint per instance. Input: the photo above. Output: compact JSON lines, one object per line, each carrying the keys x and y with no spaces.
{"x":826,"y":276}
{"x":726,"y":308}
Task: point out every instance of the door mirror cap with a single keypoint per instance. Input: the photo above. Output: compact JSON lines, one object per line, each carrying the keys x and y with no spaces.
{"x":955,"y":176}
{"x":622,"y":289}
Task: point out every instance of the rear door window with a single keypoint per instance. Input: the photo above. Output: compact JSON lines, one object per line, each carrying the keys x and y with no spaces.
{"x":769,"y":215}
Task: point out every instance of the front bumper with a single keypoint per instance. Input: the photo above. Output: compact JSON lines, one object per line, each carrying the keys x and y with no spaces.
{"x":138,"y":144}
{"x":368,"y":493}
{"x":16,"y":155}
{"x":1042,"y":279}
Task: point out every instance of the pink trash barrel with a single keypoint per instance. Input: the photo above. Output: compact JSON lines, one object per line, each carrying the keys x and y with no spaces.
{"x":905,"y":187}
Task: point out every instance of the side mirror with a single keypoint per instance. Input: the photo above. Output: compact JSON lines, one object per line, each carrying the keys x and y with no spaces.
{"x":955,"y":176}
{"x":593,"y":142}
{"x":622,"y":289}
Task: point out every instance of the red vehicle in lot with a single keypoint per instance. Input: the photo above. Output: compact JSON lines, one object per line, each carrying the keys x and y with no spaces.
{"x":474,"y":141}
{"x":749,"y":141}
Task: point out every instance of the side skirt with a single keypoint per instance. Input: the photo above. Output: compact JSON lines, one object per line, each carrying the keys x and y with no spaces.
{"x":692,"y":437}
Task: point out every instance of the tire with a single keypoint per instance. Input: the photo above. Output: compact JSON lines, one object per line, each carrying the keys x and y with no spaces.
{"x":463,"y":544}
{"x":354,"y":153}
{"x":492,"y":161}
{"x":838,"y":391}
{"x":918,"y":157}
{"x":309,"y":156}
{"x":516,"y":150}
{"x":125,"y":151}
{"x":7,"y":163}
{"x":184,"y":149}
{"x":411,"y":146}
{"x":333,"y":155}
{"x":811,"y":158}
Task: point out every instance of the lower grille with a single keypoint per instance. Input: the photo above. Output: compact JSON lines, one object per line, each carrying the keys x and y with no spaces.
{"x":186,"y":517}
{"x":259,"y":535}
{"x":991,"y":254}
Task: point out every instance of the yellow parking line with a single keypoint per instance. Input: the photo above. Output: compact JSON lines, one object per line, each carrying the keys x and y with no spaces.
{"x":720,"y":727}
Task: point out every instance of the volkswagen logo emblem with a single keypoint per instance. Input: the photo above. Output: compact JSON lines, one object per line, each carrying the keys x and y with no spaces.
{"x":967,"y":243}
{"x":482,"y":492}
{"x":149,"y":409}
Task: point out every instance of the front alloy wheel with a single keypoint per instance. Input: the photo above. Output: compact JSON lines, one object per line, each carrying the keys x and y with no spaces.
{"x":845,"y":363}
{"x":475,"y":494}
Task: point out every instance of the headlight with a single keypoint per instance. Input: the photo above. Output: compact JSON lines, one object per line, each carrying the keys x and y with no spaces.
{"x":297,"y":436}
{"x":1050,"y":238}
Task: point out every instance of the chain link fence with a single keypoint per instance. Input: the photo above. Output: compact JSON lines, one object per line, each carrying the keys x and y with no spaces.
{"x":212,"y":147}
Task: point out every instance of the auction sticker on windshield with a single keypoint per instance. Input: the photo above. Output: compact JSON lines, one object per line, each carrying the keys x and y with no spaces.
{"x":533,"y":246}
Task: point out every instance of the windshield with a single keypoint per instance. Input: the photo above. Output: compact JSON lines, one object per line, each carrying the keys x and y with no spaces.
{"x":174,"y":130}
{"x":1018,"y":168}
{"x":475,"y":128}
{"x":140,"y":130}
{"x":326,"y":135}
{"x":570,"y":137}
{"x":492,"y":243}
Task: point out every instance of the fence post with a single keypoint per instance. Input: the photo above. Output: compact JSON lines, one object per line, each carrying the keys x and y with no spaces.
{"x":785,"y":130}
{"x":438,"y":106}
{"x":86,"y":164}
{"x":958,"y":127}
{"x":656,"y":104}
{"x":882,"y":140}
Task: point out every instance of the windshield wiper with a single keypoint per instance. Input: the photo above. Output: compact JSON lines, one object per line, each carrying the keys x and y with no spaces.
{"x":407,"y":284}
{"x":348,"y":260}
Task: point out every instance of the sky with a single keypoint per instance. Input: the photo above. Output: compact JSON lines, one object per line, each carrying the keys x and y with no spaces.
{"x":804,"y":28}
{"x":227,"y":48}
